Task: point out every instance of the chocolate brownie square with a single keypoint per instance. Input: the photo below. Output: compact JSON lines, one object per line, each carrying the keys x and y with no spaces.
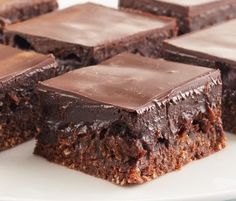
{"x":212,"y":47}
{"x":19,"y":107}
{"x":88,"y":34}
{"x":191,"y":14}
{"x":131,"y":119}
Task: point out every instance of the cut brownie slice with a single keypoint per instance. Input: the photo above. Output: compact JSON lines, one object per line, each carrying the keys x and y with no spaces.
{"x":215,"y":46}
{"x":83,"y":35}
{"x":191,"y":14}
{"x":131,"y":119}
{"x":19,"y":73}
{"x":12,"y":11}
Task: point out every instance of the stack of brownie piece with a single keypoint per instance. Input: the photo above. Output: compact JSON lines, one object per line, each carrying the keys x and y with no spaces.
{"x":121,"y":113}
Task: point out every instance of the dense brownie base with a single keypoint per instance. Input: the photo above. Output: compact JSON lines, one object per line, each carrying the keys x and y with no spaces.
{"x":137,"y":149}
{"x":19,"y":108}
{"x":74,"y":56}
{"x":228,"y":78}
{"x":103,"y":156}
{"x":186,"y":23}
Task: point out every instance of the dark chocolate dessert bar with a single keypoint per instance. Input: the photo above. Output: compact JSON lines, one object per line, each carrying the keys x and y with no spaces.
{"x":212,"y":47}
{"x":12,"y":11}
{"x":19,"y":74}
{"x":88,"y":33}
{"x":131,"y":119}
{"x":191,"y":14}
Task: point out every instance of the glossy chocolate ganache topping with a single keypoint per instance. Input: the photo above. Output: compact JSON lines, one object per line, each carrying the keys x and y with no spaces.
{"x":14,"y":62}
{"x":215,"y":42}
{"x":129,"y":81}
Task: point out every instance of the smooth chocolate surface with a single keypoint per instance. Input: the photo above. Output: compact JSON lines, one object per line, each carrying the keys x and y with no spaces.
{"x":14,"y":62}
{"x":88,"y":25}
{"x":127,"y":80}
{"x":218,"y":41}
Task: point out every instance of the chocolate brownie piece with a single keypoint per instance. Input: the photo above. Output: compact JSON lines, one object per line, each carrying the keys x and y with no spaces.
{"x":131,"y":119}
{"x":212,"y":47}
{"x":19,"y":74}
{"x":12,"y":11}
{"x":191,"y":14}
{"x":88,"y":33}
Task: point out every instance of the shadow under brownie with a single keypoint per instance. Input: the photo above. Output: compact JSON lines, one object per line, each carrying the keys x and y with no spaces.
{"x":13,"y":11}
{"x":212,"y":47}
{"x":191,"y":14}
{"x":19,"y":109}
{"x":86,"y":34}
{"x":131,"y":119}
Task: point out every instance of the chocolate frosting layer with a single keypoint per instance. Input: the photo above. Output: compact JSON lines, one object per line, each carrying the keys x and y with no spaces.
{"x":127,"y":81}
{"x":217,"y":41}
{"x":14,"y":62}
{"x":90,"y":25}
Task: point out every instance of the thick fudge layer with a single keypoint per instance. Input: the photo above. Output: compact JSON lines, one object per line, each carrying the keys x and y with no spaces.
{"x":218,"y":50}
{"x":19,"y":107}
{"x":132,"y":126}
{"x":84,"y":38}
{"x":191,"y":15}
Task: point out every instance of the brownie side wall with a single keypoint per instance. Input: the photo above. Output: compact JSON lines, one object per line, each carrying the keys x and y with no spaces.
{"x":108,"y":147}
{"x":146,"y":44}
{"x":212,"y":17}
{"x":19,"y":107}
{"x":158,"y":8}
{"x":19,"y":13}
{"x":186,"y":23}
{"x":132,"y":148}
{"x":229,"y":96}
{"x":228,"y":74}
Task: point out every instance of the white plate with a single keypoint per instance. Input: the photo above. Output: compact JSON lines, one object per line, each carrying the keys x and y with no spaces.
{"x":25,"y":177}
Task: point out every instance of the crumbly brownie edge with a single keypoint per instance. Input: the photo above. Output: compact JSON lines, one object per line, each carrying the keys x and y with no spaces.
{"x":19,"y":107}
{"x":124,"y":149}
